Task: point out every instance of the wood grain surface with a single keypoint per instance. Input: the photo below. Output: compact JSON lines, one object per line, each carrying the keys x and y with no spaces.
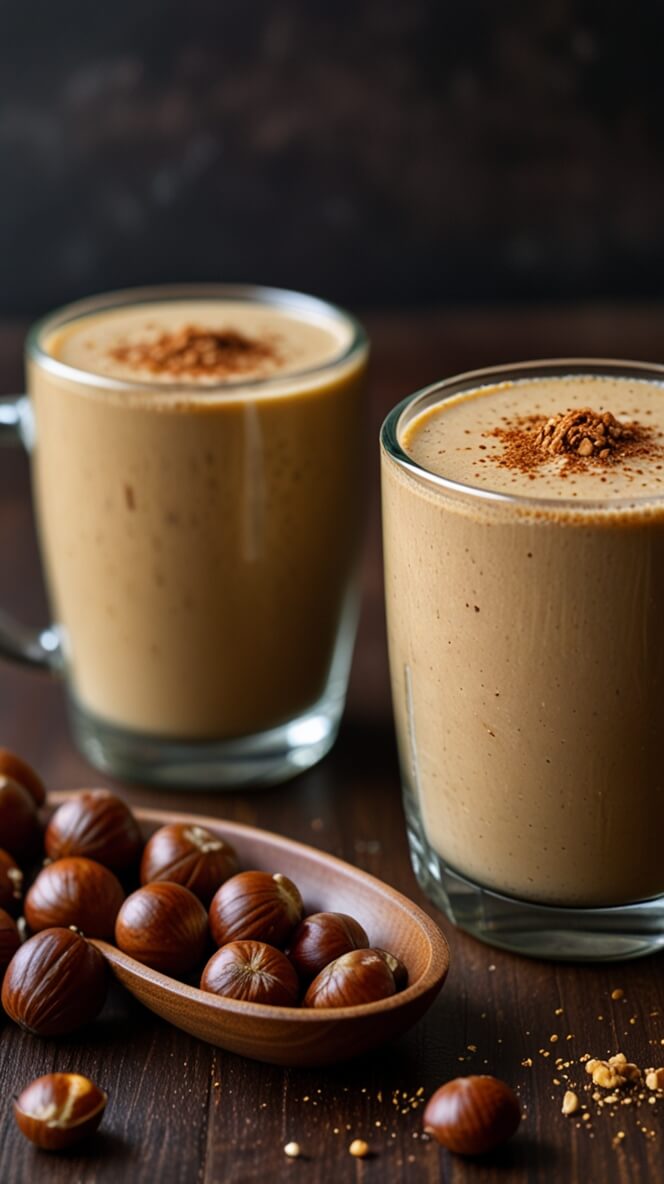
{"x":180,"y":1111}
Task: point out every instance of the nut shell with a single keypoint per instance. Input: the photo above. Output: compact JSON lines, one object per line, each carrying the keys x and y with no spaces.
{"x":322,"y":937}
{"x":9,"y":941}
{"x":472,"y":1115}
{"x":19,"y":826}
{"x":55,"y":983}
{"x":255,"y":906}
{"x":11,"y":884}
{"x":19,"y":770}
{"x":98,"y":825}
{"x":189,"y":855}
{"x":253,"y":971}
{"x":362,"y":976}
{"x":399,"y":970}
{"x":75,"y":891}
{"x":164,"y":926}
{"x":58,"y":1110}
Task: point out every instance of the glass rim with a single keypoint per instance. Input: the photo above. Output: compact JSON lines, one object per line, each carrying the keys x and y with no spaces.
{"x":488,"y":376}
{"x":283,"y":298}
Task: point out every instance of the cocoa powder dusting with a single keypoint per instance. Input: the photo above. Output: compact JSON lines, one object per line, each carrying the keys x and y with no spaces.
{"x":580,"y":437}
{"x":198,"y":352}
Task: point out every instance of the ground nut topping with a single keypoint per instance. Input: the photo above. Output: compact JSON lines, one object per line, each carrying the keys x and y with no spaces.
{"x":217,"y":353}
{"x":584,"y":433}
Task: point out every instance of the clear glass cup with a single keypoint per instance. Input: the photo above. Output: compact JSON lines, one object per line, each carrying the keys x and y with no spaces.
{"x":529,"y":733}
{"x":200,"y":546}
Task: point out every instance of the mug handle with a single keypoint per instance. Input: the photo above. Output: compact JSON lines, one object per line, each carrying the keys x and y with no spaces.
{"x":32,"y":647}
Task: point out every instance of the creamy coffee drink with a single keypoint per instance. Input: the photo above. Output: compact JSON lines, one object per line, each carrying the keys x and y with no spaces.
{"x":197,"y":474}
{"x":526,"y":629}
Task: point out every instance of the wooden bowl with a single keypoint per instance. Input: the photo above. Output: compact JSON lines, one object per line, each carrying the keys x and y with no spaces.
{"x":299,"y":1036}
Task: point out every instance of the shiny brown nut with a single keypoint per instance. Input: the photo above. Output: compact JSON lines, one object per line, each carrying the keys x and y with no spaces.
{"x":11,"y":884}
{"x":255,"y":906}
{"x":19,"y":770}
{"x":399,"y":970}
{"x":75,"y":891}
{"x":472,"y":1115}
{"x":164,"y":926}
{"x":253,"y":971}
{"x":362,"y":976}
{"x":322,"y":937}
{"x":58,"y":1110}
{"x":55,"y":983}
{"x":19,"y":825}
{"x":9,"y":941}
{"x":189,"y":855}
{"x":98,"y":825}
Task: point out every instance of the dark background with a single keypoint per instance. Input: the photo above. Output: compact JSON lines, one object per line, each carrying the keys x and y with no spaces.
{"x":379,"y":152}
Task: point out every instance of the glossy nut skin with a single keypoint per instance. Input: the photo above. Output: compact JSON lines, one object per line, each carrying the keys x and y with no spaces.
{"x":9,"y":941}
{"x":98,"y":825}
{"x":362,"y":976}
{"x":55,"y":983}
{"x":399,"y":970}
{"x":11,"y":884}
{"x":255,"y":906}
{"x":19,"y":770}
{"x":472,"y":1115}
{"x":19,"y":826}
{"x":189,"y":855}
{"x":253,"y":971}
{"x":322,"y":937}
{"x":75,"y":891}
{"x":58,"y":1110}
{"x":164,"y":926}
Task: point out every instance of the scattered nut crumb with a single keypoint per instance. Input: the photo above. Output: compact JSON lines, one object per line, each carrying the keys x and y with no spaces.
{"x":292,"y":1150}
{"x":655,"y":1078}
{"x":618,"y":993}
{"x":359,"y":1148}
{"x":571,"y":1102}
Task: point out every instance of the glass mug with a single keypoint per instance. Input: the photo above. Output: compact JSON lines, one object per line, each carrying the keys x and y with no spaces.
{"x":526,"y":640}
{"x":200,"y":539}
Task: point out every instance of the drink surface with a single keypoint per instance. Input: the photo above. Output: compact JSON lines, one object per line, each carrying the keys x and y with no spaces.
{"x":469,"y":438}
{"x":199,"y":342}
{"x":527,"y":648}
{"x":199,"y":544}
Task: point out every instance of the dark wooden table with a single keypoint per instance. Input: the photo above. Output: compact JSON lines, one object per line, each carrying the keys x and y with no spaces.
{"x":182,"y":1111}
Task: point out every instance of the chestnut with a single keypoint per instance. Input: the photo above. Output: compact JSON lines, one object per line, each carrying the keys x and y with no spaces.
{"x":98,"y":825}
{"x":321,"y":938}
{"x":58,"y":1110}
{"x":362,"y":976}
{"x":189,"y":855}
{"x":472,"y":1115}
{"x":19,"y":770}
{"x":11,"y":884}
{"x":19,"y":826}
{"x":75,"y":891}
{"x":399,"y":970}
{"x":253,"y":971}
{"x":9,"y":940}
{"x":255,"y":906}
{"x":164,"y":926}
{"x":56,"y":982}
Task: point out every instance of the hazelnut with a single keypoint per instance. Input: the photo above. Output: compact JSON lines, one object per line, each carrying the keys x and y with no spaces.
{"x":362,"y":976}
{"x":11,"y":884}
{"x":189,"y":855}
{"x":56,"y":982}
{"x":255,"y":906}
{"x":9,"y":941}
{"x":59,"y":1110}
{"x":399,"y":970}
{"x":253,"y":971}
{"x":19,"y":826}
{"x":321,"y":938}
{"x":97,"y":824}
{"x":164,"y":926}
{"x":19,"y":770}
{"x":75,"y":891}
{"x":471,"y":1115}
